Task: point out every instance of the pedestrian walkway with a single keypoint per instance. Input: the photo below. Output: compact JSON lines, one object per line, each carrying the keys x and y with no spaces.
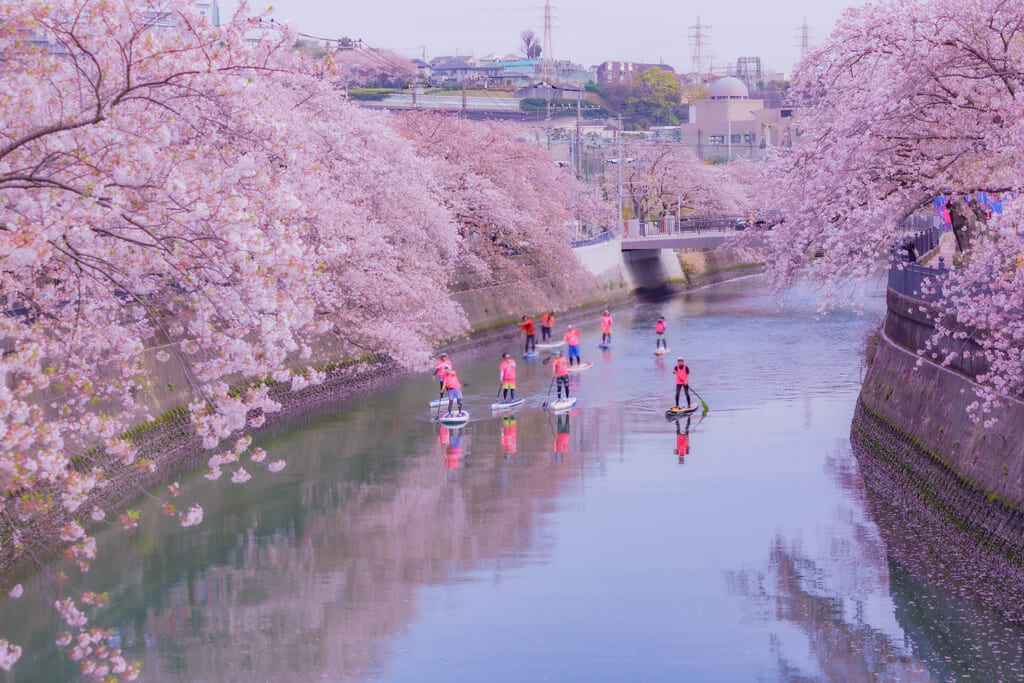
{"x":947,"y":249}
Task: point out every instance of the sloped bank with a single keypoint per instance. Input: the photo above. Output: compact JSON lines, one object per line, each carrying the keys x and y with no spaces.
{"x":947,"y":491}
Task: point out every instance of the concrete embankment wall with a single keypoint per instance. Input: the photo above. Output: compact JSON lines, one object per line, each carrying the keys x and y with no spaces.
{"x":914,"y":419}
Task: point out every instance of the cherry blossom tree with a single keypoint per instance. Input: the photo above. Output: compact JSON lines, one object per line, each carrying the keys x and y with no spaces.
{"x":909,"y":100}
{"x":678,"y":181}
{"x":508,"y":197}
{"x":203,"y":197}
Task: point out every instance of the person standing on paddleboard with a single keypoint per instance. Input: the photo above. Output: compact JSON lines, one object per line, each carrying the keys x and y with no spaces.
{"x":507,"y":375}
{"x":546,"y":322}
{"x":529,"y":333}
{"x":440,"y":367}
{"x":560,"y":369}
{"x":572,"y":338}
{"x":659,"y":332}
{"x":682,"y":374}
{"x":606,"y":328}
{"x":454,"y":387}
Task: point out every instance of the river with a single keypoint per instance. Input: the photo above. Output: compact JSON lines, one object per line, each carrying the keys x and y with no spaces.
{"x":585,"y":548}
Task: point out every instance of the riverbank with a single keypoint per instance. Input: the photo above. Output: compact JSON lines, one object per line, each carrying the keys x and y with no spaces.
{"x":921,"y":452}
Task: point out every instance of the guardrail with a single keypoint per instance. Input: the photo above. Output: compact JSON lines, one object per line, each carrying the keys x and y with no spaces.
{"x":604,"y":236}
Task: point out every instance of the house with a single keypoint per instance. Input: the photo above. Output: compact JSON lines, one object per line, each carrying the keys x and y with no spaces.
{"x":623,"y":73}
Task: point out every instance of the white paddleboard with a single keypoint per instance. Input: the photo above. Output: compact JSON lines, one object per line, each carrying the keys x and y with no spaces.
{"x":582,"y":366}
{"x":508,"y":405}
{"x":550,"y":345}
{"x":676,"y":411}
{"x":562,"y":404}
{"x":454,"y":419}
{"x":660,"y":352}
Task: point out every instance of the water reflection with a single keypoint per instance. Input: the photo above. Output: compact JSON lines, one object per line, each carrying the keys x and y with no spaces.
{"x":682,"y":438}
{"x":531,"y":546}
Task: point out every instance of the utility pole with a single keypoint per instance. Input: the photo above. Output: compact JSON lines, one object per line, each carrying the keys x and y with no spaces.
{"x":547,"y":55}
{"x":464,"y":113}
{"x":618,"y":137}
{"x":579,"y":103}
{"x":698,"y":39}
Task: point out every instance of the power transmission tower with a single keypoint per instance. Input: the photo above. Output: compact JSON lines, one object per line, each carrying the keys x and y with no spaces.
{"x":547,"y":55}
{"x":805,"y":39}
{"x":698,"y":41}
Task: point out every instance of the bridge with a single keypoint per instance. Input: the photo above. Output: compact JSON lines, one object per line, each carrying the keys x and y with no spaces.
{"x":707,"y":231}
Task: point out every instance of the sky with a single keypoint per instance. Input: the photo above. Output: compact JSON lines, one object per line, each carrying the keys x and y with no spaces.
{"x":584,"y":31}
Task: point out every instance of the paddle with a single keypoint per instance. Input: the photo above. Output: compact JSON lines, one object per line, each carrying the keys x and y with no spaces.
{"x":703,"y":405}
{"x":548,"y":395}
{"x":439,"y":404}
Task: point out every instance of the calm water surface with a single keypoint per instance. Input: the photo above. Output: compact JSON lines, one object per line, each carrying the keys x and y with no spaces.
{"x":585,"y":548}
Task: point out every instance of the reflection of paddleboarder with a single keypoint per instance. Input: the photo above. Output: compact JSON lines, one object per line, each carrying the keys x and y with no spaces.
{"x":562,"y":436}
{"x":683,"y":440}
{"x":508,"y":435}
{"x":453,"y":450}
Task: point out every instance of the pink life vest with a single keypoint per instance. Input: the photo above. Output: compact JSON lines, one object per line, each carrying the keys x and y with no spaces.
{"x":561,"y":367}
{"x":682,"y":374}
{"x":442,"y":365}
{"x":606,"y":324}
{"x":451,"y":380}
{"x":508,"y":370}
{"x":659,"y":327}
{"x":572,"y":337}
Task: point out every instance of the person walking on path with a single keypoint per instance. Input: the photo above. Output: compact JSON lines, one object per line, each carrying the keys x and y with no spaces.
{"x":572,"y":338}
{"x":659,"y":334}
{"x":529,"y":333}
{"x":442,"y":365}
{"x":547,"y":321}
{"x":606,"y":329}
{"x":560,"y":369}
{"x":507,"y":375}
{"x":454,"y":387}
{"x":682,"y":374}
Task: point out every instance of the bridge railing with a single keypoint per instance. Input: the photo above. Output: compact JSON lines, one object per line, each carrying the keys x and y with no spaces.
{"x":604,"y":236}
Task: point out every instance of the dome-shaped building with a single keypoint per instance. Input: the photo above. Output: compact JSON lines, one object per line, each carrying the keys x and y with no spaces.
{"x":728,"y":88}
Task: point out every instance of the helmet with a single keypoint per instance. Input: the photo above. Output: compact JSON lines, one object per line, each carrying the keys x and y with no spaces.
{"x":443,"y":355}
{"x":679,"y":360}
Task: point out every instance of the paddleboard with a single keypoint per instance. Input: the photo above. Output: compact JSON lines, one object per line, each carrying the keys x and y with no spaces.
{"x":439,"y":402}
{"x":454,"y":419}
{"x":660,"y":352}
{"x":550,"y":345}
{"x":530,"y":354}
{"x":562,"y":404}
{"x":677,"y":411}
{"x":508,"y":405}
{"x":604,"y":346}
{"x":582,"y":366}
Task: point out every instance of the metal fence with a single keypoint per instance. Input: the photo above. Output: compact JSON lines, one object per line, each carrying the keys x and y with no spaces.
{"x":605,"y":236}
